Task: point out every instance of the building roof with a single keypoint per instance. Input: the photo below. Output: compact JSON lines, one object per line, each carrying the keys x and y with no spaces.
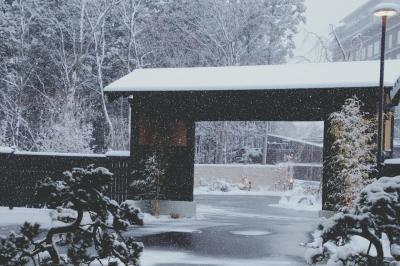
{"x":357,"y":74}
{"x":366,"y":9}
{"x":319,"y":145}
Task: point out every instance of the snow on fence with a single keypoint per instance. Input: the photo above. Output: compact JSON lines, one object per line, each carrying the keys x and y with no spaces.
{"x":20,"y":171}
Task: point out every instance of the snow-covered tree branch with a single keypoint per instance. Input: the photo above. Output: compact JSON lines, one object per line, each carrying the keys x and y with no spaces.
{"x":87,"y":221}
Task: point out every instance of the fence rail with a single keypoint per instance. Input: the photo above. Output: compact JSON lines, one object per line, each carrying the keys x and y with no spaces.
{"x":19,"y":174}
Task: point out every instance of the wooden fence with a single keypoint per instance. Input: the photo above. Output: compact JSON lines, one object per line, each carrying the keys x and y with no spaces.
{"x":19,"y":174}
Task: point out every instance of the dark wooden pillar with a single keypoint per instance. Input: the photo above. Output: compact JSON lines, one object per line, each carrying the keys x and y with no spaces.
{"x":134,"y":155}
{"x":171,"y":139}
{"x":326,"y":204}
{"x":329,"y":190}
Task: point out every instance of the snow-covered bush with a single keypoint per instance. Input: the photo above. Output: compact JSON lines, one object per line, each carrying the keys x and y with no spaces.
{"x":220,"y":185}
{"x":300,"y":202}
{"x":90,"y":225}
{"x":305,"y":195}
{"x":149,"y":181}
{"x":375,"y":216}
{"x":352,"y":161}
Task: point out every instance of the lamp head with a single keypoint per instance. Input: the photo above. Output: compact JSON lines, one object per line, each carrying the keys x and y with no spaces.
{"x":385,"y":9}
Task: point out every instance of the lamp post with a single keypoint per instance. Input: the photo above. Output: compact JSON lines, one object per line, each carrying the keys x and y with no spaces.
{"x":382,"y":10}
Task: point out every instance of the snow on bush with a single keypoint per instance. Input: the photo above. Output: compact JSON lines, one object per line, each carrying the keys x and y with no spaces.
{"x":219,"y":185}
{"x":375,"y":218}
{"x":89,"y":227}
{"x":150,"y":180}
{"x":299,"y":202}
{"x":305,"y":195}
{"x":352,"y":161}
{"x":222,"y":185}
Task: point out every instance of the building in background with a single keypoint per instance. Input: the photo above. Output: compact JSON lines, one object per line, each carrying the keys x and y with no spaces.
{"x":278,"y":149}
{"x":358,"y":38}
{"x":359,"y":35}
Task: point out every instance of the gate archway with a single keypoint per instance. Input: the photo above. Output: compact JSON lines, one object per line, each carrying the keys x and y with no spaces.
{"x":165,"y":104}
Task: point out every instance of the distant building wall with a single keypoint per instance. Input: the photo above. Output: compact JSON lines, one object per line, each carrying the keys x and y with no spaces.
{"x":359,"y":34}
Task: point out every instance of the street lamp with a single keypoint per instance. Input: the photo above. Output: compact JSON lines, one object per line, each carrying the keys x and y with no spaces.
{"x":382,"y":10}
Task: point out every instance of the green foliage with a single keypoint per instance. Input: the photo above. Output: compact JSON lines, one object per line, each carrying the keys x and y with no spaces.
{"x":86,"y":186}
{"x":351,"y":161}
{"x":148,"y":180}
{"x":93,"y":224}
{"x":376,"y":212}
{"x":13,"y":249}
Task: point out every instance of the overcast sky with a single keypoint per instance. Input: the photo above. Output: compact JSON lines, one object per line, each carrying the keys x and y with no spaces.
{"x":319,"y":14}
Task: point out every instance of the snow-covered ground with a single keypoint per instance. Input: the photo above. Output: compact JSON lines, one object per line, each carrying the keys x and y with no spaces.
{"x":251,"y":233}
{"x":17,"y":216}
{"x":305,"y":195}
{"x":152,"y":258}
{"x":228,"y":230}
{"x":235,"y":227}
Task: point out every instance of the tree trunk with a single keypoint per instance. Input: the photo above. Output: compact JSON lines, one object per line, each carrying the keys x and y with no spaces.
{"x":265,"y":145}
{"x":221,"y":144}
{"x":51,"y":248}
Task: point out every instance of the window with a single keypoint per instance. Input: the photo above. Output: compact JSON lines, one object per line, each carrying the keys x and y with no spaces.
{"x":363,"y":51}
{"x":369,"y":51}
{"x":356,"y":55}
{"x":398,"y":37}
{"x":376,"y":47}
{"x":398,"y":56}
{"x":390,"y":41}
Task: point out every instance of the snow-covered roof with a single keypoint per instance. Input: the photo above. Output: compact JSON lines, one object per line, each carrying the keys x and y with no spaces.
{"x":297,"y":140}
{"x":356,"y":74}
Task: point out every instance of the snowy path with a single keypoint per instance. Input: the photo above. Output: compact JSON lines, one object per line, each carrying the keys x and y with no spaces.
{"x":230,"y":230}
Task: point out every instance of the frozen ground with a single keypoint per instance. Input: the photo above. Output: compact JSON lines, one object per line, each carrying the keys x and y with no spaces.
{"x":228,"y":230}
{"x":305,"y":195}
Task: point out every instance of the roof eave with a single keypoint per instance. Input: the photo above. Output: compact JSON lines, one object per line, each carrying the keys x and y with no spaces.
{"x":115,"y":95}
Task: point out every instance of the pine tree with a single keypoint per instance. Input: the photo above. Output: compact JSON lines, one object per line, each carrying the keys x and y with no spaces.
{"x":352,"y":161}
{"x":150,"y":181}
{"x":376,"y":212}
{"x":93,"y":225}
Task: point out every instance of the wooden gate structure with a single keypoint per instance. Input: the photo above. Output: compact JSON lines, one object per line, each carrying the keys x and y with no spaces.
{"x":166,"y":103}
